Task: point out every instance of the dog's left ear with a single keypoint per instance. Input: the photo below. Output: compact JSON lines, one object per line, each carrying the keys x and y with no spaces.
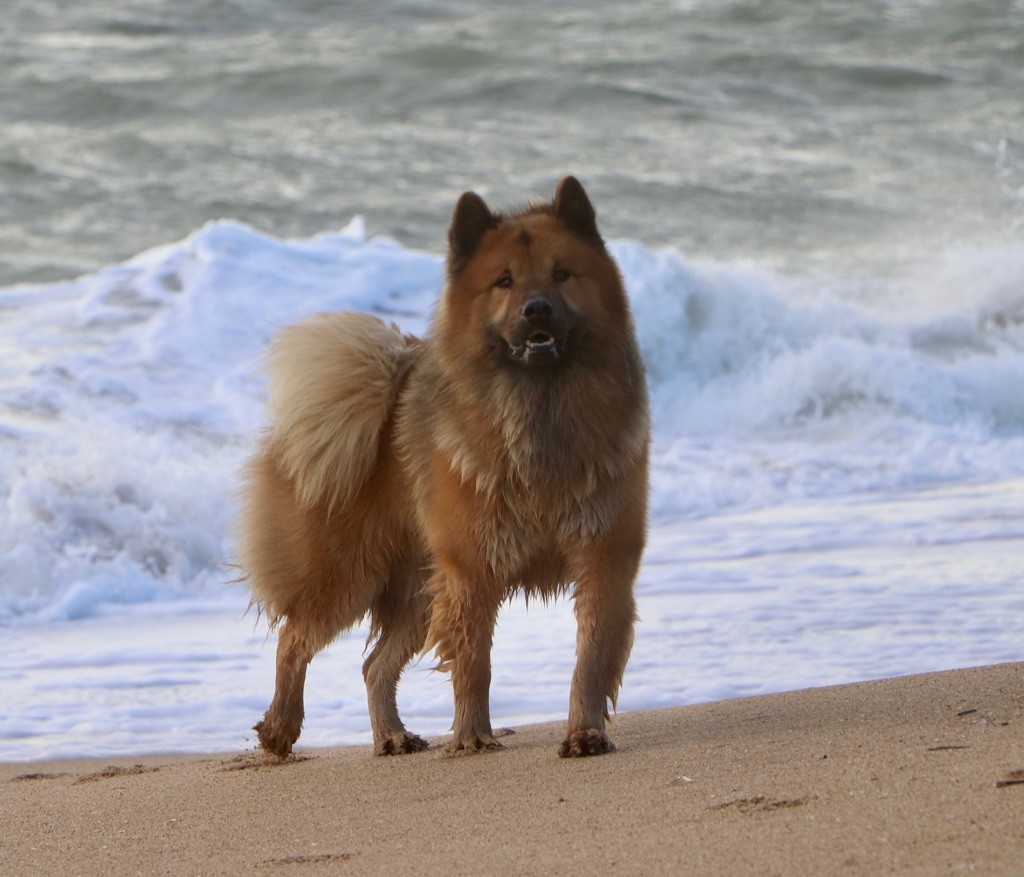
{"x":573,"y":208}
{"x":470,"y":222}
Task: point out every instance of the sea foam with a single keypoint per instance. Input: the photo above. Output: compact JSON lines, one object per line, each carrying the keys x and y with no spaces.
{"x":129,"y":398}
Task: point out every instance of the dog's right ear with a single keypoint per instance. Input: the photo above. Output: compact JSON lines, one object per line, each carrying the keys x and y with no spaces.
{"x":573,"y":207}
{"x":470,"y":222}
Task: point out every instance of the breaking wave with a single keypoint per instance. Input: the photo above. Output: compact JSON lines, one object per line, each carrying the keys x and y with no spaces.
{"x":129,"y":398}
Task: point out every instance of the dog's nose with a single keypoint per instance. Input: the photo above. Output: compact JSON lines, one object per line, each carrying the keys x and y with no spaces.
{"x":538,"y":309}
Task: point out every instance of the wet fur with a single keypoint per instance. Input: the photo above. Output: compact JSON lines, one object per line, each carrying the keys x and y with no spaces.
{"x":425,"y":482}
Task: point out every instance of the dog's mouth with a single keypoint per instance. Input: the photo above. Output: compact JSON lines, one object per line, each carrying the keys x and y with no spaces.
{"x":538,"y":347}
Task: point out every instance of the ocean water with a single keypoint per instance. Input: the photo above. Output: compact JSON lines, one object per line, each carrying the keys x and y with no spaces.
{"x":818,"y":210}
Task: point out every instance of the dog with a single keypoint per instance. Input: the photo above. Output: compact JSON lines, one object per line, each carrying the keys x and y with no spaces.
{"x":422,"y":482}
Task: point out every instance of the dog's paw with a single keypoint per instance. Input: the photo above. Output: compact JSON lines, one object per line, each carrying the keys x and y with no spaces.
{"x":400,"y":743}
{"x":275,"y":739}
{"x":589,"y":741}
{"x":472,"y":744}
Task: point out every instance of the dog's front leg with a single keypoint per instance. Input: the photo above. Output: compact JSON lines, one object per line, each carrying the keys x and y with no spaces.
{"x":462,"y":622}
{"x":605,"y":614}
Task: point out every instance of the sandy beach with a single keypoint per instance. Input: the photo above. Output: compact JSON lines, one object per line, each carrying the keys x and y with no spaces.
{"x":912,"y":775}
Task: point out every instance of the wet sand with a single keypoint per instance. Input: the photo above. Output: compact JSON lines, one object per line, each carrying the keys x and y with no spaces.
{"x":913,"y":775}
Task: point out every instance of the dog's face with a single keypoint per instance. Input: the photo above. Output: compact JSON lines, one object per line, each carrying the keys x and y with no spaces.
{"x":534,"y":290}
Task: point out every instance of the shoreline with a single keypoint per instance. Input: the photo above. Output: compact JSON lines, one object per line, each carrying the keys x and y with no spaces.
{"x":916,"y":774}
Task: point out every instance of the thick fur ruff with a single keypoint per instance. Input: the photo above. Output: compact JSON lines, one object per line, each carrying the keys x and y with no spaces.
{"x":425,"y":482}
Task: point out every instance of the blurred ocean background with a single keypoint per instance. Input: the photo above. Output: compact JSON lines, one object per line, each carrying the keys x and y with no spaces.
{"x":819,"y":213}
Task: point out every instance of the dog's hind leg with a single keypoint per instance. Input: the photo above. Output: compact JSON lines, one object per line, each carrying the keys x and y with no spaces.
{"x":297,"y":643}
{"x":399,"y":617}
{"x":302,"y":635}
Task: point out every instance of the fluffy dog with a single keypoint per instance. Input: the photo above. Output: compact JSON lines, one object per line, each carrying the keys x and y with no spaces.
{"x":423,"y":482}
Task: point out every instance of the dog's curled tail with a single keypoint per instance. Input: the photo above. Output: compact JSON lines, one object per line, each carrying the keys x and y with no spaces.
{"x":334,"y":380}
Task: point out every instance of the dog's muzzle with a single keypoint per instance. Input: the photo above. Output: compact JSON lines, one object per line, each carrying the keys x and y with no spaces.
{"x":541,"y":333}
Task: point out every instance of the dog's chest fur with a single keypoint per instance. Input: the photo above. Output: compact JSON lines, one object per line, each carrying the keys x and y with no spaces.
{"x":536,"y":472}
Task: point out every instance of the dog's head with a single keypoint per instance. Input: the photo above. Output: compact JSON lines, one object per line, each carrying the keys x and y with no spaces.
{"x":535,"y":288}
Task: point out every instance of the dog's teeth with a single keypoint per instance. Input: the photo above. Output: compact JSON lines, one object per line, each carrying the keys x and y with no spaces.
{"x":540,"y":341}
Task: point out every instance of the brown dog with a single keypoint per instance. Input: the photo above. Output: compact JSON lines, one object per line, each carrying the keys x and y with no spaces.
{"x":424,"y":482}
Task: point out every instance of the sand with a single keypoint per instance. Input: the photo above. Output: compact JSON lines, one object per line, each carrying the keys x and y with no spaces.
{"x":914,"y":775}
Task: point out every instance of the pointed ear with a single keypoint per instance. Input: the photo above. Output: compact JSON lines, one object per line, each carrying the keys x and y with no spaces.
{"x":470,"y":222}
{"x":573,"y":208}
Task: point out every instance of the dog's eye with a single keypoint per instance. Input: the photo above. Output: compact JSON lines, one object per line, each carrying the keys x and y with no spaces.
{"x":504,"y":282}
{"x":560,"y":275}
